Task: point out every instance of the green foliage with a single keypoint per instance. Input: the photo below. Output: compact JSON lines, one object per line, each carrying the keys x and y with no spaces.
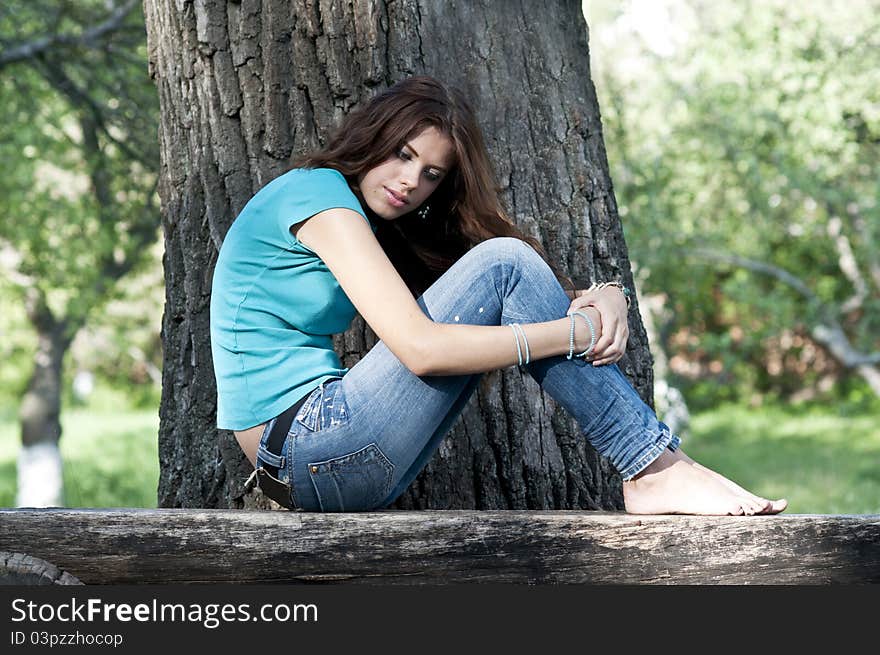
{"x":17,"y":345}
{"x":751,"y":128}
{"x":121,"y":345}
{"x":78,"y":135}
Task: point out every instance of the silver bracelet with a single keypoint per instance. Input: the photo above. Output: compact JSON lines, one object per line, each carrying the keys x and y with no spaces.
{"x":525,"y":343}
{"x":592,"y":334}
{"x":518,"y":349}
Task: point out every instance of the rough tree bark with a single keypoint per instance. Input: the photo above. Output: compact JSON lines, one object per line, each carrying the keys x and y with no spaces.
{"x":247,"y":86}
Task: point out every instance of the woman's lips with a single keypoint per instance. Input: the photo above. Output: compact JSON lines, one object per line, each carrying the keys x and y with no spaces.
{"x":394,"y":199}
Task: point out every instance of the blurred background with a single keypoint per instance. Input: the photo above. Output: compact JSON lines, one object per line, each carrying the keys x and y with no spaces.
{"x":743,"y":140}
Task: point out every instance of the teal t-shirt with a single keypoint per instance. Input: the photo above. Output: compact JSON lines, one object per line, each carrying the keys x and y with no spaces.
{"x":274,"y":303}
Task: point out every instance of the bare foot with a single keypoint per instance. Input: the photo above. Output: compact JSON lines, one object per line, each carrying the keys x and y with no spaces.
{"x":672,"y":485}
{"x":768,"y":506}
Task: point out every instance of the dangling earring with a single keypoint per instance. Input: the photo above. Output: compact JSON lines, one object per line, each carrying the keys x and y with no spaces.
{"x":423,"y":213}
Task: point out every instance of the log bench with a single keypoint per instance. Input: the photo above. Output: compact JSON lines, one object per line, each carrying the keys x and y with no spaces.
{"x":166,"y":546}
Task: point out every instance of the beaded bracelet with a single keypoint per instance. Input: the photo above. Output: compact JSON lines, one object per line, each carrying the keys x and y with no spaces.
{"x":571,"y":336}
{"x":627,"y":294}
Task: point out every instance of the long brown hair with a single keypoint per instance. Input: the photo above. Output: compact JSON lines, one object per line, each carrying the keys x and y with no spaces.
{"x":466,"y":207}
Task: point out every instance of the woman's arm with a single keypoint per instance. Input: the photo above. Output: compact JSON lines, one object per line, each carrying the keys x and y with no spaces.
{"x":344,"y":241}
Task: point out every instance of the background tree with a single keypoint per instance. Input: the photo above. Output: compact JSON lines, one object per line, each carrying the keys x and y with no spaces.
{"x":745,"y":144}
{"x":77,"y":133}
{"x":247,"y":86}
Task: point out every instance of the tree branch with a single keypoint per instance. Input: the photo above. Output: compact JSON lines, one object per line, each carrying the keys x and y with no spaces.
{"x":846,"y":261}
{"x":142,"y":231}
{"x":89,"y":38}
{"x":758,"y":267}
{"x":860,"y":225}
{"x":62,"y":83}
{"x":829,"y":332}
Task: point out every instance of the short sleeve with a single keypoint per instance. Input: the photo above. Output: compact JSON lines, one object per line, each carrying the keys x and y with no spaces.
{"x":310,"y":191}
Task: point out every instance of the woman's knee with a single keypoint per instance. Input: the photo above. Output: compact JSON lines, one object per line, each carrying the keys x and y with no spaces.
{"x":504,"y":249}
{"x":505,"y":258}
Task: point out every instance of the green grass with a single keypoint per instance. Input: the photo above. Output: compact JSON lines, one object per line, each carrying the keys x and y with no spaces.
{"x":821,"y":462}
{"x":110,"y":458}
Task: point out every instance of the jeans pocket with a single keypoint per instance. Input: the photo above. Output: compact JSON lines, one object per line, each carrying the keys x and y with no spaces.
{"x":325,"y":407}
{"x":309,"y":414}
{"x":355,"y":482}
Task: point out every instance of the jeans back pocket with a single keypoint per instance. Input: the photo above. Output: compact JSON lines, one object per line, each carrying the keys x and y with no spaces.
{"x":355,"y":482}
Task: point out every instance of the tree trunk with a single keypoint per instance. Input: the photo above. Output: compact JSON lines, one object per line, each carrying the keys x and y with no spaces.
{"x":245,"y":87}
{"x":40,"y":482}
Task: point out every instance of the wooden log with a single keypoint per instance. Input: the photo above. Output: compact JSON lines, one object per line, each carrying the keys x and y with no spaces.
{"x":21,"y":569}
{"x":124,"y":546}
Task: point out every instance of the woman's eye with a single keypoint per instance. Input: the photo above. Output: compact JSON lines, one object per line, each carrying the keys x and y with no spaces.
{"x":403,"y":154}
{"x":432,"y":176}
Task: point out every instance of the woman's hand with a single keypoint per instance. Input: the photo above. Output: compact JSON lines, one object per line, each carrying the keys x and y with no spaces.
{"x":611,"y":305}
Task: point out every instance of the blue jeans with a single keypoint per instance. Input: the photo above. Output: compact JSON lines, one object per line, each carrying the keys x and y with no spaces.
{"x":359,"y":441}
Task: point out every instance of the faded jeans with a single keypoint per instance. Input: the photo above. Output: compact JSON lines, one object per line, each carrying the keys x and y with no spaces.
{"x":358,"y":441}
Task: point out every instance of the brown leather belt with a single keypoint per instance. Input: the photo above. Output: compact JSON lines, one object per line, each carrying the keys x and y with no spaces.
{"x":266,"y":474}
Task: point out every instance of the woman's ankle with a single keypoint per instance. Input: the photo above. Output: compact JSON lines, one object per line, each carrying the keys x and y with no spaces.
{"x":663,"y":461}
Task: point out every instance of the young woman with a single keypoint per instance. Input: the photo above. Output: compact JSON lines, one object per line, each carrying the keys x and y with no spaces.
{"x":398,"y":218}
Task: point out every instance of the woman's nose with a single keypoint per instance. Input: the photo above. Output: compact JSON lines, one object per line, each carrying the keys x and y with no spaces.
{"x":409,"y":176}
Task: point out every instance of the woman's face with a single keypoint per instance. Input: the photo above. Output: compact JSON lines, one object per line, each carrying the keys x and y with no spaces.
{"x":403,"y":182}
